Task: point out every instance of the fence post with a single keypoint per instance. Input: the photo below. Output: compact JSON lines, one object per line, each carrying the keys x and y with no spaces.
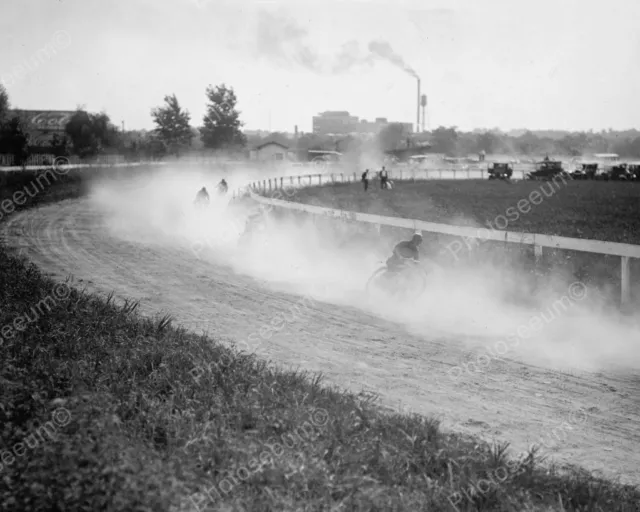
{"x":537,"y":251}
{"x":281,"y":180}
{"x":299,"y":181}
{"x":291,"y":181}
{"x":319,"y":179}
{"x":310,"y":178}
{"x":625,"y":281}
{"x":342,"y":177}
{"x":454,"y":174}
{"x":482,"y":173}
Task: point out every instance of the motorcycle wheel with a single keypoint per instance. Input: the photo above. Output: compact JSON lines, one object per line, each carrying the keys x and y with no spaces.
{"x":407,"y":284}
{"x":378,"y":281}
{"x":412,"y":284}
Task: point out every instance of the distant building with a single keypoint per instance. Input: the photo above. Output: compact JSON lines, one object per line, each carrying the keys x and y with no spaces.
{"x":338,"y":122}
{"x":374,"y":127}
{"x":270,"y":151}
{"x":408,"y":127}
{"x":381,"y":122}
{"x":342,"y":123}
{"x":41,"y":125}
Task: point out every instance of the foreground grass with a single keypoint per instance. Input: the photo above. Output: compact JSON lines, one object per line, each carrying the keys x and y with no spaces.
{"x":21,"y":190}
{"x":103,"y":410}
{"x":608,"y":211}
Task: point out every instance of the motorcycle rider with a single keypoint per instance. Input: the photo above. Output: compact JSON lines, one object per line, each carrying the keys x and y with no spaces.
{"x":222,"y":187}
{"x":202,"y":197}
{"x":365,"y":179}
{"x":405,"y":251}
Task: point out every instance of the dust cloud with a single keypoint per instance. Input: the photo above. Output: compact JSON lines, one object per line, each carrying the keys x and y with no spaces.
{"x":483,"y":309}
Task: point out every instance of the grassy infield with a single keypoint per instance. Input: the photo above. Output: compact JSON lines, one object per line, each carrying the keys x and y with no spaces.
{"x":104,"y":410}
{"x":598,"y":210}
{"x":608,"y":211}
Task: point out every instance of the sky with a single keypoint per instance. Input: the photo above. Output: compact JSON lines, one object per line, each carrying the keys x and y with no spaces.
{"x":510,"y":64}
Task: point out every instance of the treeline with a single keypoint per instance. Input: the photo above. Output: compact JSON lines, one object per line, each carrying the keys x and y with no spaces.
{"x":456,"y":143}
{"x":88,"y":135}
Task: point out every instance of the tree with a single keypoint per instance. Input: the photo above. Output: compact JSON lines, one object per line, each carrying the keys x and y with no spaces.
{"x":528,"y":143}
{"x":573,"y":144}
{"x":634,"y":147}
{"x":59,"y":146}
{"x":445,"y":140}
{"x":90,"y":134}
{"x":468,"y":143}
{"x":172,"y":125}
{"x":222,"y":125}
{"x":14,"y":141}
{"x":391,"y":136}
{"x":313,"y":141}
{"x":152,"y":146}
{"x":4,"y":104}
{"x":488,"y":142}
{"x":628,"y":147}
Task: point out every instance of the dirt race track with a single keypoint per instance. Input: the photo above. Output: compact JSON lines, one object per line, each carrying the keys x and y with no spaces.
{"x":588,"y":419}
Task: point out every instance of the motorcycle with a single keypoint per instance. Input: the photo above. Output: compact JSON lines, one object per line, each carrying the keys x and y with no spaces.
{"x":406,"y":283}
{"x":201,"y":203}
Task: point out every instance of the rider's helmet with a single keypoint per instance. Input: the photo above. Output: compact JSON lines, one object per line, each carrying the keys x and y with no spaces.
{"x":416,"y":239}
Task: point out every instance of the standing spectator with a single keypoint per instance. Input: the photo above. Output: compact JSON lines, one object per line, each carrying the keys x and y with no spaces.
{"x":384,"y":178}
{"x":365,"y":179}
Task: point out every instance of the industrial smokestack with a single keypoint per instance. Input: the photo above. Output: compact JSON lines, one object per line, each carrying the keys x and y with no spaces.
{"x":418,"y":109}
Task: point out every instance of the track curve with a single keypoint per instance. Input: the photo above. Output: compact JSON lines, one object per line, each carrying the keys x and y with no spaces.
{"x":517,"y":402}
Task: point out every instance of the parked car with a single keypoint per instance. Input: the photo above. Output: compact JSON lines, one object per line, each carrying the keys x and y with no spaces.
{"x":613,"y":172}
{"x":547,"y":170}
{"x":500,"y":171}
{"x":585,"y":171}
{"x":634,"y":171}
{"x":618,"y":172}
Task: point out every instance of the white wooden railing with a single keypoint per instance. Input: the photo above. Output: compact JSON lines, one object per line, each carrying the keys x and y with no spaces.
{"x":395,"y":174}
{"x":78,"y":166}
{"x":538,"y":241}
